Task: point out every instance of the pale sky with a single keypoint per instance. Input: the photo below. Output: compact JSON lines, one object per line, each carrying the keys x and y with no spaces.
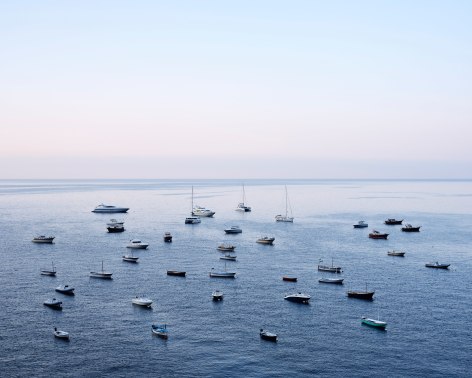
{"x":235,"y":89}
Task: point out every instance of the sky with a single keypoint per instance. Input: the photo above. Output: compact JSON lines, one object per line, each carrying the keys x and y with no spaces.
{"x":235,"y":89}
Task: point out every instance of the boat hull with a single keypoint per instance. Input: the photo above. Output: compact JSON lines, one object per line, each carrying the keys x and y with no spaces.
{"x":138,"y":246}
{"x":435,"y":266}
{"x":111,"y":211}
{"x":367,"y":295}
{"x":393,"y":222}
{"x":233,"y":231}
{"x":48,"y":273}
{"x":43,"y":241}
{"x":102,"y":275}
{"x":114,"y":230}
{"x":61,"y":335}
{"x":65,"y":291}
{"x":335,"y":281}
{"x":176,"y":273}
{"x":222,"y":275}
{"x":332,"y":269}
{"x":297,"y":299}
{"x":374,"y":323}
{"x":130,"y":259}
{"x":268,"y":336}
{"x":269,"y":241}
{"x":411,"y":229}
{"x":399,"y":254}
{"x":289,"y":279}
{"x":360,"y":225}
{"x":378,"y":236}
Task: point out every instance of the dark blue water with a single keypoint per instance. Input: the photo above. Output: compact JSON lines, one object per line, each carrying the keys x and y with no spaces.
{"x":427,"y":310}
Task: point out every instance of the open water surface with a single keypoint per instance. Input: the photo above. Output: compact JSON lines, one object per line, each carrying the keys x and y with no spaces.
{"x":427,"y":310}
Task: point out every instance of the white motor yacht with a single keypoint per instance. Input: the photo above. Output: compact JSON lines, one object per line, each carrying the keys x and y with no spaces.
{"x":137,"y":244}
{"x":233,"y":230}
{"x":202,"y":212}
{"x":102,"y":208}
{"x":141,"y":301}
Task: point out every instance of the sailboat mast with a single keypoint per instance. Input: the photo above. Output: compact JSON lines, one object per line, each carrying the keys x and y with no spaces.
{"x":286,"y":201}
{"x":191,"y":209}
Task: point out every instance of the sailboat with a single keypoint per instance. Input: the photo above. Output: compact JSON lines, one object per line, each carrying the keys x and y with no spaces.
{"x":242,"y":205}
{"x":101,"y":274}
{"x":47,"y":272}
{"x":285,"y":218}
{"x":192,"y":219}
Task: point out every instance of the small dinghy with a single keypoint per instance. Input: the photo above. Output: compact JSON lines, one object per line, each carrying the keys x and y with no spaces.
{"x":217,"y":295}
{"x":65,"y":289}
{"x":53,"y":303}
{"x":142,"y":301}
{"x":61,"y":334}
{"x":266,"y":335}
{"x":160,"y":330}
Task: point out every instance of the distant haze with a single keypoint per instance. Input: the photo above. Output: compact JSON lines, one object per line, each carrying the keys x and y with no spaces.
{"x":241,"y":89}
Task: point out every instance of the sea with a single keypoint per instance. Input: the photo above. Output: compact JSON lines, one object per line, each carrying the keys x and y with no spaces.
{"x":428,"y":311}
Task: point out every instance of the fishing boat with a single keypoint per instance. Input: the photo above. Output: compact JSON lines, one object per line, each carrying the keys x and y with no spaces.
{"x":177,"y":273}
{"x":233,"y":230}
{"x":49,"y":272}
{"x":137,"y":244}
{"x":43,"y":239}
{"x":61,"y":334}
{"x":53,"y":303}
{"x":393,"y":221}
{"x":409,"y":228}
{"x":285,"y":218}
{"x":266,"y":335}
{"x":361,"y":224}
{"x":242,"y":205}
{"x":437,"y":265}
{"x":102,"y":208}
{"x":336,"y":281}
{"x":101,"y":274}
{"x":226,"y":248}
{"x":396,"y":253}
{"x":217,"y":295}
{"x":378,"y":235}
{"x":229,"y":257}
{"x":289,"y":278}
{"x":167,"y":237}
{"x":222,"y":274}
{"x":361,"y":294}
{"x":130,"y":258}
{"x":328,"y":268}
{"x":265,"y":240}
{"x":298,"y":298}
{"x":65,"y":289}
{"x":160,"y":330}
{"x":142,"y":301}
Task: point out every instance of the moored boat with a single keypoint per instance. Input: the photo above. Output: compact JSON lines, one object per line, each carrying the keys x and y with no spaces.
{"x":265,"y":240}
{"x":226,"y":248}
{"x":61,"y":334}
{"x":437,"y":265}
{"x":217,"y":295}
{"x":177,"y":273}
{"x":115,"y":229}
{"x":167,"y":237}
{"x":222,"y":274}
{"x":373,"y":322}
{"x":242,"y":205}
{"x":48,"y":272}
{"x":102,"y":208}
{"x":361,"y":224}
{"x":43,"y":239}
{"x":193,"y":220}
{"x":289,"y":278}
{"x":378,"y":235}
{"x":160,"y":330}
{"x":393,"y":221}
{"x":202,"y":212}
{"x":233,"y":230}
{"x":266,"y":335}
{"x":298,"y":298}
{"x":409,"y":228}
{"x":228,"y":257}
{"x":65,"y":289}
{"x":101,"y":274}
{"x":329,"y":268}
{"x":361,"y":294}
{"x":396,"y":253}
{"x":53,"y":303}
{"x":286,"y":217}
{"x":137,"y":244}
{"x":142,"y":301}
{"x":130,"y":258}
{"x":336,"y":281}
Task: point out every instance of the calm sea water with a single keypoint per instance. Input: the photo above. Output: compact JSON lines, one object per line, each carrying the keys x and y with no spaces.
{"x":427,"y":310}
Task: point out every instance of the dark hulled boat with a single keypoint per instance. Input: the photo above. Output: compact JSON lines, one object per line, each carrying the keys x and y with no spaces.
{"x":410,"y":228}
{"x":393,"y":221}
{"x":361,"y":294}
{"x":378,"y":235}
{"x":176,"y":273}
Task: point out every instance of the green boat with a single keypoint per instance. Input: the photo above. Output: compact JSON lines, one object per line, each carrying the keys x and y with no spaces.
{"x":374,"y":323}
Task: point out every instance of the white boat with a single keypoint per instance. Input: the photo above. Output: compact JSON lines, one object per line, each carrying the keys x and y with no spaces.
{"x":396,"y":253}
{"x":160,"y":330}
{"x":61,"y":334}
{"x":228,"y":257}
{"x":65,"y":289}
{"x":233,"y":230}
{"x":102,"y":208}
{"x":137,"y":244}
{"x":298,"y":298}
{"x":217,"y":295}
{"x":202,"y":212}
{"x":49,"y":272}
{"x":53,"y":303}
{"x":43,"y":239}
{"x":142,"y":301}
{"x":242,"y":205}
{"x":265,"y":240}
{"x":222,"y":274}
{"x":130,"y":258}
{"x":285,"y":218}
{"x":336,"y":281}
{"x":361,"y":224}
{"x":192,"y":220}
{"x":101,"y":274}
